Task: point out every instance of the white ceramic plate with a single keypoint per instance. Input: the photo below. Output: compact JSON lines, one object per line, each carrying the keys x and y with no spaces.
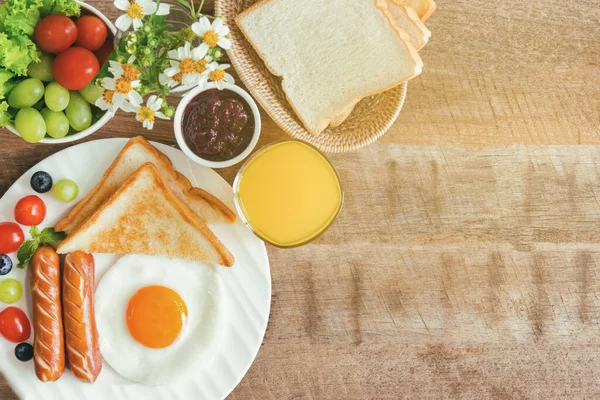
{"x":247,"y":287}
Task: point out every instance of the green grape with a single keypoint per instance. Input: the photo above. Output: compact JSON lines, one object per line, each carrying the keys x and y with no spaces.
{"x":79,"y":112}
{"x":26,"y":93}
{"x":57,"y":123}
{"x":92,"y":93}
{"x":65,"y":190}
{"x":56,"y":96}
{"x":11,"y":291}
{"x":30,"y":125}
{"x":43,"y":69}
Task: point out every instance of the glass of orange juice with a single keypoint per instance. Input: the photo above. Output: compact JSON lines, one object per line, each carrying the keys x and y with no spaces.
{"x":288,"y":193}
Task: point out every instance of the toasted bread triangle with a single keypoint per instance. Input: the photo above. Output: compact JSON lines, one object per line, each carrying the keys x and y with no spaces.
{"x":145,"y":217}
{"x":137,"y":152}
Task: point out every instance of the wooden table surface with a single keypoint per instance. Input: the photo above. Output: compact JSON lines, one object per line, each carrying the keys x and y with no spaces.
{"x":466,"y":260}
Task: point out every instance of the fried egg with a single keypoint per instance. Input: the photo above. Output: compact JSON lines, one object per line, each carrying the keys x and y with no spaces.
{"x":158,"y":317}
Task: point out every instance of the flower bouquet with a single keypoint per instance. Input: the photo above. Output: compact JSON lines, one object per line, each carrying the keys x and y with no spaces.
{"x":151,"y":60}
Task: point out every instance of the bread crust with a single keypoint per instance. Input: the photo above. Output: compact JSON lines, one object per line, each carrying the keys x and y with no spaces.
{"x":70,"y":221}
{"x":430,"y":10}
{"x":414,"y":17}
{"x":324,"y":122}
{"x":185,"y":212}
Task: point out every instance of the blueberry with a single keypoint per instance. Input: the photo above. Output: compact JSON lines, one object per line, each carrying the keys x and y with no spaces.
{"x":41,"y":182}
{"x":6,"y":264}
{"x":24,"y":352}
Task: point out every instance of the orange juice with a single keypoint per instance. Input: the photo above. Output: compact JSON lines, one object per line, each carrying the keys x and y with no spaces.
{"x":288,"y":193}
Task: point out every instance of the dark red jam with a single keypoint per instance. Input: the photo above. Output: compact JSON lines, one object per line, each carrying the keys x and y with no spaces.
{"x":218,"y":125}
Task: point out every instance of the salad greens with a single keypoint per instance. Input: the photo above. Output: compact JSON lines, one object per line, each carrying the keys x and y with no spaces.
{"x":18,"y":19}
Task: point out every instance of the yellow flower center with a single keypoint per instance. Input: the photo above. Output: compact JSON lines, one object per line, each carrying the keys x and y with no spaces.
{"x":145,"y":114}
{"x":108,"y":95}
{"x":211,"y":38}
{"x":178,"y":77}
{"x":201,"y":65}
{"x":187,"y":66}
{"x":130,"y":72}
{"x":217,"y":75}
{"x":134,"y":11}
{"x":123,"y":86}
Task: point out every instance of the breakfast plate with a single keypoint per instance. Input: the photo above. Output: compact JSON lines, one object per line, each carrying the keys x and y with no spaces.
{"x":229,"y":339}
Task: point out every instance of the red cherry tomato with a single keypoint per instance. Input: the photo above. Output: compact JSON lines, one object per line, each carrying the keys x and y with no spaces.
{"x":55,"y":33}
{"x":91,"y":32}
{"x":30,"y":210}
{"x":75,"y":68}
{"x":11,"y":237}
{"x":104,"y":52}
{"x":14,"y":325}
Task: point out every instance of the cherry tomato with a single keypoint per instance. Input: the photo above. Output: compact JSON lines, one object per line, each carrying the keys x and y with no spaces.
{"x":55,"y":33}
{"x":91,"y":32}
{"x":30,"y":210}
{"x":104,"y":52}
{"x":11,"y":237}
{"x":75,"y":68}
{"x":14,"y":325}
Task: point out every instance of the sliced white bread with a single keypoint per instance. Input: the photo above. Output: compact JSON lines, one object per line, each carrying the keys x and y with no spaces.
{"x":145,"y":217}
{"x":342,"y":117}
{"x":330,"y":54}
{"x":407,"y":19}
{"x":423,"y":8}
{"x":136,"y":153}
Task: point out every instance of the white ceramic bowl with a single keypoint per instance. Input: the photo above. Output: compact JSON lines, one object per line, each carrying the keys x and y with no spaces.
{"x":185,"y":100}
{"x":107,"y":115}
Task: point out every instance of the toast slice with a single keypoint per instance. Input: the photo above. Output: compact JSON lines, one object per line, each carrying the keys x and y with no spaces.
{"x":330,"y":54}
{"x":145,"y":217}
{"x":423,"y":8}
{"x":137,"y":152}
{"x":407,"y":19}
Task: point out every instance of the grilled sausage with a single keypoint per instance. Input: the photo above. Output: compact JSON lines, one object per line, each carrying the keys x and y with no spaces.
{"x":81,"y":336}
{"x":48,"y":334}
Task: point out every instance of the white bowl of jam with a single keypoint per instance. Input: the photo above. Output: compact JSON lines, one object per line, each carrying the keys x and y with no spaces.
{"x":216,"y":127}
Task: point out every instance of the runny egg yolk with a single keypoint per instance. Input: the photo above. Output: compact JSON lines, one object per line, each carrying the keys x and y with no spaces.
{"x":155,"y":316}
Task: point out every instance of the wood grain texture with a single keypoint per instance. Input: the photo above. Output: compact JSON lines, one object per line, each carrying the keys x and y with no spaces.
{"x":467,"y":271}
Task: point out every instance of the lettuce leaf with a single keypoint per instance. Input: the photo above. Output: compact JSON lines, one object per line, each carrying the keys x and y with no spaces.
{"x":66,"y":7}
{"x":5,"y":115}
{"x":20,"y":16}
{"x":6,"y":84}
{"x":16,"y":53}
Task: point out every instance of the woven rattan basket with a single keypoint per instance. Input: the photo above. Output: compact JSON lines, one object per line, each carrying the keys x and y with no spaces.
{"x":371,"y":117}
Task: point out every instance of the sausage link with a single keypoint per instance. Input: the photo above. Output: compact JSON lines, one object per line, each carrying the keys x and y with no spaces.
{"x":81,"y":336}
{"x":48,"y":334}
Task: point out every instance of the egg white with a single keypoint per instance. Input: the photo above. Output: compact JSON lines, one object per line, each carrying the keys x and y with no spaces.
{"x":201,"y":290}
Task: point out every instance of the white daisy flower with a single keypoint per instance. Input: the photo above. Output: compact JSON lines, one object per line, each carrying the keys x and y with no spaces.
{"x":175,"y":83}
{"x":127,"y":70}
{"x":212,"y":34}
{"x":146,"y":114}
{"x":185,"y":65}
{"x":124,"y":91}
{"x":218,"y":75}
{"x":105,"y":101}
{"x":135,"y":11}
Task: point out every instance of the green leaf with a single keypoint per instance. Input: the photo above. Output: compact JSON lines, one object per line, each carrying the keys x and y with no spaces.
{"x":34,"y":231}
{"x":5,"y":116}
{"x":26,"y":251}
{"x":28,"y":248}
{"x":49,"y":235}
{"x":16,"y":53}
